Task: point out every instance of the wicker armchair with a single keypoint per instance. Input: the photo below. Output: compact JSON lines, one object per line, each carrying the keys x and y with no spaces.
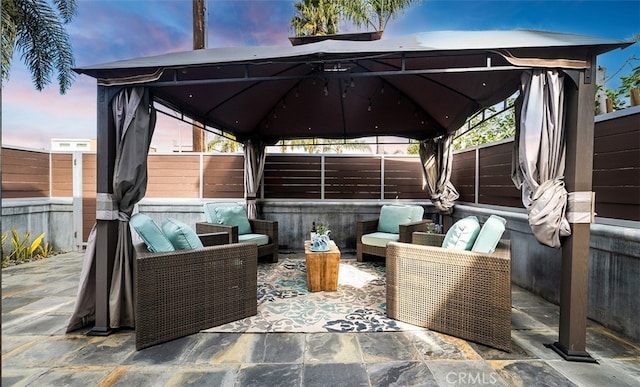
{"x":460,"y":293}
{"x":265,"y":227}
{"x":364,"y":227}
{"x":182,"y":292}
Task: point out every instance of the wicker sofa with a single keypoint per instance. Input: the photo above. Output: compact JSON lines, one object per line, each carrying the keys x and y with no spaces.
{"x":460,"y":293}
{"x":182,"y":292}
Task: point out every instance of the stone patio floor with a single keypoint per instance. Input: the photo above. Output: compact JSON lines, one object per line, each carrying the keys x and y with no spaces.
{"x":38,"y":299}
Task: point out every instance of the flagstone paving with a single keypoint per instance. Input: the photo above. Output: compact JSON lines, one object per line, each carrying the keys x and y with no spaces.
{"x":38,"y":299}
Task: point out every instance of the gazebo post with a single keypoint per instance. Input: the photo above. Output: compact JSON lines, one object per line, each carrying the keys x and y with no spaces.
{"x":106,"y":229}
{"x":574,"y":286}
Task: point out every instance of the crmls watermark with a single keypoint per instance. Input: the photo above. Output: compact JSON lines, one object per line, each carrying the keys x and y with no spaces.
{"x":462,"y":378}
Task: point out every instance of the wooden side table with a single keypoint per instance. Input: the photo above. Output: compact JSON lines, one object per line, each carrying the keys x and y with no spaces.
{"x":322,"y":268}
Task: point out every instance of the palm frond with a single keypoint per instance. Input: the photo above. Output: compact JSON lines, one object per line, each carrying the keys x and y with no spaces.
{"x":9,"y":32}
{"x":44,"y":43}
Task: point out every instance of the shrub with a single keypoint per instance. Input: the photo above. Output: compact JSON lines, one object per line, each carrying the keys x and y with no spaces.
{"x":23,"y":250}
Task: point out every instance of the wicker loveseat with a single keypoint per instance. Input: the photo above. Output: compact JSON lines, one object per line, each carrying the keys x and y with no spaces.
{"x":460,"y":293}
{"x":263,"y":232}
{"x":181,"y":292}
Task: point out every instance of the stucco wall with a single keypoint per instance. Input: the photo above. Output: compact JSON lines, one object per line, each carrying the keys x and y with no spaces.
{"x":614,"y":262}
{"x":53,"y":216}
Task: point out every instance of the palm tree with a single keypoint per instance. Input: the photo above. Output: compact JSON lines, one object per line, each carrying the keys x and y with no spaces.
{"x":223,"y":144}
{"x":315,"y":17}
{"x":373,"y":13}
{"x":324,"y":145}
{"x":36,"y":30}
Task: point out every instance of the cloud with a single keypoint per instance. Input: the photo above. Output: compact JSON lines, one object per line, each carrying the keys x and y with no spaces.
{"x":248,"y":23}
{"x":110,"y":30}
{"x":106,"y":31}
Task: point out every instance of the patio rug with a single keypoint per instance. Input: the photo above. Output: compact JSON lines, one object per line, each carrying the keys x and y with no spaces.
{"x":285,"y":304}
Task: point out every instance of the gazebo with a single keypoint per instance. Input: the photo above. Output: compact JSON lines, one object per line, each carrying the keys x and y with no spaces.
{"x":421,"y":87}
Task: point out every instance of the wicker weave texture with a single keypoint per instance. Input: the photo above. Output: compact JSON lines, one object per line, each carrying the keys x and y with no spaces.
{"x":460,"y":293}
{"x":183,"y":292}
{"x":265,"y":227}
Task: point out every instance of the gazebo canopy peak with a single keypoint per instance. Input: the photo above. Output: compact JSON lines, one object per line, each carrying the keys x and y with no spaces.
{"x":419,"y":86}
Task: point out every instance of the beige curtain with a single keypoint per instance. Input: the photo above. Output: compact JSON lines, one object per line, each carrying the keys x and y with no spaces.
{"x":254,"y":160}
{"x":436,"y":156}
{"x":539,"y":154}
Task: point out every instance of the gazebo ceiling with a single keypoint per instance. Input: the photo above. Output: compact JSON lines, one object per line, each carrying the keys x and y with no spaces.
{"x":417,"y":87}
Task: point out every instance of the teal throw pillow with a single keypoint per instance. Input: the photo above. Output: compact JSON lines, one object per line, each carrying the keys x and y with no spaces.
{"x":151,"y":234}
{"x":209,"y":210}
{"x":416,"y":213}
{"x":182,"y":237}
{"x":489,"y":235}
{"x":234,"y":216}
{"x":462,"y":234}
{"x":391,"y":217}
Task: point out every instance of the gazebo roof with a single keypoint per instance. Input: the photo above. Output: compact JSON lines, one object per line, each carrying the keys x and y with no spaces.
{"x":418,"y":86}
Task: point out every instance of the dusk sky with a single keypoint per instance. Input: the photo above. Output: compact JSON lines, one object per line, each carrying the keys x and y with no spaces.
{"x":109,"y":30}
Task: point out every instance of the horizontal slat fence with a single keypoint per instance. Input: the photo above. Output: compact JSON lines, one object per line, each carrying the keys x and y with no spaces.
{"x":616,"y":167}
{"x":495,"y":185}
{"x":61,"y":175}
{"x":292,"y":177}
{"x":89,"y":187}
{"x":463,"y":175}
{"x":173,"y":176}
{"x":223,"y":176}
{"x":352,"y":178}
{"x":25,"y":174}
{"x":616,"y":175}
{"x":403,"y":179}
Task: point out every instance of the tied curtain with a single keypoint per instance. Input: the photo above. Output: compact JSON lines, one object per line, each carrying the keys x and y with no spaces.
{"x":254,"y":160}
{"x":134,"y":121}
{"x":539,"y":154}
{"x":436,"y":157}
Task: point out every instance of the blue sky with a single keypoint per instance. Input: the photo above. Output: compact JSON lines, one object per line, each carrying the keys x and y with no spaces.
{"x":108,"y":30}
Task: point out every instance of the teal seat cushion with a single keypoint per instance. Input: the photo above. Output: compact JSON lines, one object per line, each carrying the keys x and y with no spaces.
{"x":209,"y":210}
{"x":258,"y":239}
{"x":391,"y":217}
{"x":489,"y":235}
{"x":462,"y":234}
{"x":151,"y":234}
{"x":379,"y":239}
{"x":234,"y":216}
{"x":182,"y":237}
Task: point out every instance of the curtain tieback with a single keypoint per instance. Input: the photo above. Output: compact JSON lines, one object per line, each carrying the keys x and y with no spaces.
{"x":580,"y":207}
{"x":106,"y":207}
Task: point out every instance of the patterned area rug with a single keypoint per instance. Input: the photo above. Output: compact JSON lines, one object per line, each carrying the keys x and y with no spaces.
{"x":285,"y":304}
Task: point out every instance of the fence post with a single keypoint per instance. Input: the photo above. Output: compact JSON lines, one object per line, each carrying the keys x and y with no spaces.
{"x":322,"y":161}
{"x":477,"y":177}
{"x":201,"y":178}
{"x":76,"y":168}
{"x":381,"y":177}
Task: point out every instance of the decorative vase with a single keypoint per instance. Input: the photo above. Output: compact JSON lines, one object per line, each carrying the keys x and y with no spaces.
{"x":320,"y":242}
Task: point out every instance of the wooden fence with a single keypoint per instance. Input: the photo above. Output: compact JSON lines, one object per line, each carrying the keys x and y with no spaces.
{"x":481,"y":175}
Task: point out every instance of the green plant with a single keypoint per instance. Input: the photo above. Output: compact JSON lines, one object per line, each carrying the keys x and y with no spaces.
{"x":45,"y":250}
{"x":322,"y":228}
{"x":22,"y":249}
{"x":614,"y":96}
{"x":19,"y":245}
{"x":5,"y":259}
